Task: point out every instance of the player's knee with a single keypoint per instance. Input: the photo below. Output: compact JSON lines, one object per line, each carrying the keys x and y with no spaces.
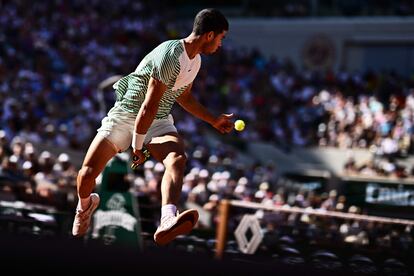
{"x":86,"y":174}
{"x":176,"y":161}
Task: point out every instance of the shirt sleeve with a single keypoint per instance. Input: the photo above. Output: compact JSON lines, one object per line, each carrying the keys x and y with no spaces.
{"x":166,"y":68}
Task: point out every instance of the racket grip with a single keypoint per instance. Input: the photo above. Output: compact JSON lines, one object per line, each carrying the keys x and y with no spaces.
{"x":147,"y":155}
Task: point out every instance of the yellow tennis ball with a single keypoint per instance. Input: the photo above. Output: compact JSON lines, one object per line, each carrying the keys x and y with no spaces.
{"x":239,"y":125}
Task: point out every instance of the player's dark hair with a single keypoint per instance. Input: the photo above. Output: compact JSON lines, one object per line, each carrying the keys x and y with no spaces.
{"x":208,"y":20}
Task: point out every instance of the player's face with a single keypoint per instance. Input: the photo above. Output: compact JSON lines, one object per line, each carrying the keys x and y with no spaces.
{"x":213,"y":42}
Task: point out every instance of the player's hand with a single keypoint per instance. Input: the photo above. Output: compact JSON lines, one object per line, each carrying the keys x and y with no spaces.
{"x":223,"y":123}
{"x":139,"y":157}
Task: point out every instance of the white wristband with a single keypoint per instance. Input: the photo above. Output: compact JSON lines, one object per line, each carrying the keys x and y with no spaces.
{"x":137,"y":141}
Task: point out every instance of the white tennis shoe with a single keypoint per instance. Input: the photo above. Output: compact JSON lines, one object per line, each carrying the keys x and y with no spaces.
{"x":83,"y":219}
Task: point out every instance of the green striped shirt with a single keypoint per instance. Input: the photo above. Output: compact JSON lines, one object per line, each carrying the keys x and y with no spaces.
{"x":168,"y":63}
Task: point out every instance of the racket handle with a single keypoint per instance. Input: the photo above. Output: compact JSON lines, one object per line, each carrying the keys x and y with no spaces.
{"x":147,"y":155}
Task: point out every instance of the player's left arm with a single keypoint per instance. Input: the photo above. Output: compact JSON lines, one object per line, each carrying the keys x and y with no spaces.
{"x":187,"y":101}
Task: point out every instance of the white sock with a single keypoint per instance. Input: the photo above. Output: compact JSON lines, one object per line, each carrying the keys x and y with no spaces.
{"x":168,"y":210}
{"x":83,"y":203}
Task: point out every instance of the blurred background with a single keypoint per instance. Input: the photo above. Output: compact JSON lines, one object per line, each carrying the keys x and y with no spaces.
{"x":326,"y":88}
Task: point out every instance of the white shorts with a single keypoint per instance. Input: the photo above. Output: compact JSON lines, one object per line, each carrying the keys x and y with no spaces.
{"x":118,"y":127}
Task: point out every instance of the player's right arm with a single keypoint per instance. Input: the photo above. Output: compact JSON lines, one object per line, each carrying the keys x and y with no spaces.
{"x":150,"y":105}
{"x":145,"y":117}
{"x":164,"y":71}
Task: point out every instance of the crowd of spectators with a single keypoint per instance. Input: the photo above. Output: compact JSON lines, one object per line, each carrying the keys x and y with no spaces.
{"x":281,"y":231}
{"x":204,"y":190}
{"x":35,"y":177}
{"x":54,"y":54}
{"x":303,"y":8}
{"x":53,"y":59}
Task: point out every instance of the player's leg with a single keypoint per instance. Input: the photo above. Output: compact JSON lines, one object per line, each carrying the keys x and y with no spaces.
{"x":99,"y":153}
{"x":114,"y":135}
{"x":169,"y":149}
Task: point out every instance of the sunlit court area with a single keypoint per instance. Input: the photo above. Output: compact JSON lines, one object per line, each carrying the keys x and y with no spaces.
{"x":281,"y":144}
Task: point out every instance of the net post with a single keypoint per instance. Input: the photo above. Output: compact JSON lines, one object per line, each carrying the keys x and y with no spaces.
{"x":222,"y":228}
